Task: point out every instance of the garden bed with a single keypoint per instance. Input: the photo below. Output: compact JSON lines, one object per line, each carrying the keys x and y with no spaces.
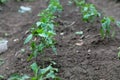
{"x":80,"y":57}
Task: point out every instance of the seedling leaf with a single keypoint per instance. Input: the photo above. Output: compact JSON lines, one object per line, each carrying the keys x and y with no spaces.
{"x":119,"y":54}
{"x":79,"y":32}
{"x":1,"y":77}
{"x":35,"y":68}
{"x":28,"y":38}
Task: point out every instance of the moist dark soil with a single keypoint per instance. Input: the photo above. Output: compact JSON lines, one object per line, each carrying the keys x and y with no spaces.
{"x":80,"y":57}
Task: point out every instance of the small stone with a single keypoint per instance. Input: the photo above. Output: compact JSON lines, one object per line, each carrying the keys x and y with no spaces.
{"x":87,"y":36}
{"x":79,"y":43}
{"x":89,"y":50}
{"x":6,"y":34}
{"x":82,"y":37}
{"x":102,"y":79}
{"x":7,"y":68}
{"x":26,"y":32}
{"x":24,"y":9}
{"x":62,"y":34}
{"x":97,"y":68}
{"x":3,"y":45}
{"x":22,"y":59}
{"x":15,"y":40}
{"x":77,"y":51}
{"x":22,"y":50}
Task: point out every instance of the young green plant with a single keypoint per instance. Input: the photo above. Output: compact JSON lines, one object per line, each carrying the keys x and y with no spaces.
{"x":41,"y":37}
{"x":42,"y":33}
{"x":106,"y":29}
{"x":45,"y":73}
{"x":89,"y":11}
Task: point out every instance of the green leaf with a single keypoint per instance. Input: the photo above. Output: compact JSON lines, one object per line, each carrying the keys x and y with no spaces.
{"x":2,"y":1}
{"x":18,"y":77}
{"x":51,"y":33}
{"x":33,"y":78}
{"x":102,"y":33}
{"x":118,"y":23}
{"x":41,"y":47}
{"x":1,"y":77}
{"x":14,"y":77}
{"x":119,"y":54}
{"x":24,"y":77}
{"x":45,"y":70}
{"x":112,"y":19}
{"x":35,"y":68}
{"x":30,"y":57}
{"x":57,"y":78}
{"x":38,"y":24}
{"x":79,"y":33}
{"x":113,"y":34}
{"x":106,"y":29}
{"x":51,"y":74}
{"x":28,"y":38}
{"x":54,"y":49}
{"x":43,"y":35}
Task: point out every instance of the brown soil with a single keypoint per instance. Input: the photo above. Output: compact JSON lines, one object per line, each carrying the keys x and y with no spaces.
{"x":85,"y":57}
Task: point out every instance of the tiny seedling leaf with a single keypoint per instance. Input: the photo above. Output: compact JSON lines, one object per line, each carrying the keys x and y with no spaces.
{"x":35,"y":68}
{"x":24,"y":77}
{"x":51,"y":75}
{"x":118,"y":23}
{"x":18,"y":77}
{"x":79,"y":33}
{"x":28,"y":38}
{"x":1,"y":62}
{"x":54,"y":50}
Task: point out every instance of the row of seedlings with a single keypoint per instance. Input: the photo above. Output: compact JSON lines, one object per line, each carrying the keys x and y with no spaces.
{"x":40,"y":38}
{"x":90,"y":13}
